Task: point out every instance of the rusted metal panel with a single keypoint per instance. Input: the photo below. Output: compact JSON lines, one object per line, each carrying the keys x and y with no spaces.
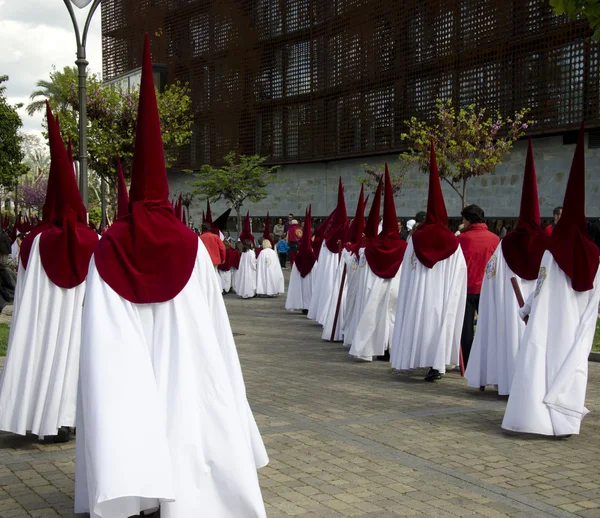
{"x":308,"y":80}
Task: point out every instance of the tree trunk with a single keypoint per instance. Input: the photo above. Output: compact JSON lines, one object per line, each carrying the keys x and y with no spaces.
{"x":464,"y":193}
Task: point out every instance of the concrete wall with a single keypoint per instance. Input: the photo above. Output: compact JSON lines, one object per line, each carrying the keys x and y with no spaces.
{"x":498,"y":194}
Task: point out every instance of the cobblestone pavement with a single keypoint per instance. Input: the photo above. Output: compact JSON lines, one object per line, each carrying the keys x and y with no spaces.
{"x":347,"y":438}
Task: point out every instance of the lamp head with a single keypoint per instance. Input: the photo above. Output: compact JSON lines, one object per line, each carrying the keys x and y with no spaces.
{"x":81,"y":3}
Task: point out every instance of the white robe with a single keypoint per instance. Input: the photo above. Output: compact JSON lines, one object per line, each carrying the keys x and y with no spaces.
{"x":358,"y":294}
{"x":234,"y":279}
{"x":300,"y":289}
{"x":331,"y":309}
{"x":225,"y":278}
{"x":269,"y":277}
{"x":328,"y":263}
{"x":499,"y":328}
{"x":376,"y":325}
{"x":548,"y":390}
{"x":163,"y":416}
{"x":38,"y":386}
{"x":246,"y":278}
{"x":431,"y":309}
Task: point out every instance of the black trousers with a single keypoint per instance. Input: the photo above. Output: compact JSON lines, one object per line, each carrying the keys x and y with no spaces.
{"x":282,"y":258}
{"x":468,"y":331}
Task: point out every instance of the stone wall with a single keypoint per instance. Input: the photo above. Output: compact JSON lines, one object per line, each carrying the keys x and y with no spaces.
{"x":497,"y":194}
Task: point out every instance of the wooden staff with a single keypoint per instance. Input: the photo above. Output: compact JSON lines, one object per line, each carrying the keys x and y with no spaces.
{"x":519,"y":295}
{"x":339,"y":303}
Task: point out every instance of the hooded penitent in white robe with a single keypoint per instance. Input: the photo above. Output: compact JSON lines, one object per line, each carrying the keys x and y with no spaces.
{"x":499,"y":328}
{"x":325,"y":276}
{"x":430,"y":314}
{"x":38,"y":386}
{"x":246,"y":276}
{"x":161,"y":390}
{"x":359,"y":288}
{"x":234,"y":278}
{"x":300,"y":289}
{"x":225,"y":278}
{"x":376,"y":325}
{"x":344,"y":265}
{"x":269,"y":277}
{"x":547,"y":396}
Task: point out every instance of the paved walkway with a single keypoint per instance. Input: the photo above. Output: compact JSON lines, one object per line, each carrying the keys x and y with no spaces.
{"x":354,"y":439}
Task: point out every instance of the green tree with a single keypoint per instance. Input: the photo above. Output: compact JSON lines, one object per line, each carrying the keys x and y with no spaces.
{"x":588,"y":9}
{"x":11,"y":151}
{"x":243,"y":177}
{"x":112,"y":117}
{"x":468,"y":143}
{"x":374,"y":173}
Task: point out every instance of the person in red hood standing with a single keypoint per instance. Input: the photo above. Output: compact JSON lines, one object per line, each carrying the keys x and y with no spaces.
{"x":478,"y":245}
{"x":294,"y":236}
{"x":163,"y":419}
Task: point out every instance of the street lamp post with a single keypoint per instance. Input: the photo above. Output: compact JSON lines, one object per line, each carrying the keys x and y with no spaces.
{"x":82,"y":64}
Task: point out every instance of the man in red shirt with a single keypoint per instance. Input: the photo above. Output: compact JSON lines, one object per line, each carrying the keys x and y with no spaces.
{"x":478,"y":244}
{"x":557,"y":213}
{"x":214,"y":245}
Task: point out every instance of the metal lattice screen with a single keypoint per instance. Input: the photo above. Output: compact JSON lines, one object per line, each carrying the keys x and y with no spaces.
{"x":307,"y":80}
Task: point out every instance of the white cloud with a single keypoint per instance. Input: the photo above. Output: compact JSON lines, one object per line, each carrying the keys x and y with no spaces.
{"x":34,"y":35}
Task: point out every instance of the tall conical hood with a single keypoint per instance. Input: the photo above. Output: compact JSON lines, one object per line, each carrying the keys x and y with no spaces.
{"x":390,"y":221}
{"x":433,"y":241}
{"x":148,"y":174}
{"x":386,"y":252}
{"x":570,"y":244}
{"x":436,"y":208}
{"x":372,"y":226}
{"x":267,"y":231}
{"x":339,"y":222}
{"x":209,"y":219}
{"x":524,"y":247}
{"x":356,"y":227}
{"x":122,"y":194}
{"x":48,"y":208}
{"x":306,"y":257}
{"x":246,"y":230}
{"x":221,"y":222}
{"x":66,"y":242}
{"x":135,"y":257}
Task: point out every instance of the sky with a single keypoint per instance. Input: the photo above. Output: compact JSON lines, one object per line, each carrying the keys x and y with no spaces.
{"x":34,"y":35}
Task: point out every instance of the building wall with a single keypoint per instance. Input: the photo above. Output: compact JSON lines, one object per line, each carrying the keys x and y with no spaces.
{"x":498,"y":194}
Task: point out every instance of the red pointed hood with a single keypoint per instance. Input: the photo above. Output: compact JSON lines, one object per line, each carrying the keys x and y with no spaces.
{"x":267,"y":231}
{"x":122,"y":194}
{"x":221,"y":222}
{"x":339,"y":222}
{"x":385,"y":253}
{"x":356,"y":227}
{"x":433,"y":241}
{"x":372,"y":226}
{"x":135,"y":257}
{"x":570,"y":244}
{"x":246,"y":230}
{"x":66,"y":242}
{"x":320,"y":232}
{"x":524,"y":247}
{"x":179,"y":208}
{"x":306,"y":257}
{"x":209,"y":219}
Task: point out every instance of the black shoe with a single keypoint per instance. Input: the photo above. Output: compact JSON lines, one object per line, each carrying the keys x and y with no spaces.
{"x":305,"y":311}
{"x":385,"y":357}
{"x":433,"y":375}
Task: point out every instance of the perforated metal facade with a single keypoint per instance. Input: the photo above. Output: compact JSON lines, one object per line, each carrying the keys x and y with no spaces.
{"x":308,"y":80}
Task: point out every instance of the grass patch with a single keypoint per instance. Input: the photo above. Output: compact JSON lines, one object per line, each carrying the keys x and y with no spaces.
{"x":4,"y":329}
{"x":596,"y":346}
